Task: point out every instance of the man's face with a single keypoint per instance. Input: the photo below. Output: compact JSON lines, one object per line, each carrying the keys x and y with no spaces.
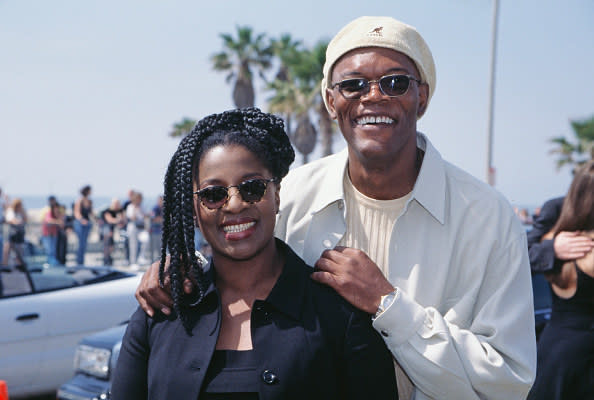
{"x":387,"y":137}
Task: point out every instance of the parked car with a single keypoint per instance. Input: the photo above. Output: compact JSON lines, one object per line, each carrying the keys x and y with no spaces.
{"x":97,"y":355}
{"x":46,"y":311}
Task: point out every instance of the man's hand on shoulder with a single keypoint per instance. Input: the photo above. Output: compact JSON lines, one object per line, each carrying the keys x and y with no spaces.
{"x":152,"y":296}
{"x":354,"y":276}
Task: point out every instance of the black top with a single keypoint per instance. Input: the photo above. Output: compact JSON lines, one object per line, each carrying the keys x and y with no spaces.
{"x":583,"y":299}
{"x":308,"y":343}
{"x":231,"y":375}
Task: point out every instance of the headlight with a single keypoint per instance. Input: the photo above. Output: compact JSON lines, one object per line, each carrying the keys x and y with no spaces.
{"x":92,"y":360}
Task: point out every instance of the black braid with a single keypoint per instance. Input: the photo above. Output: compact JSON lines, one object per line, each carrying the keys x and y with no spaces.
{"x":263,"y":134}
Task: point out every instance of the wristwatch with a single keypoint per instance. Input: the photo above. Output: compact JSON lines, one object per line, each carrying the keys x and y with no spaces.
{"x":385,"y":302}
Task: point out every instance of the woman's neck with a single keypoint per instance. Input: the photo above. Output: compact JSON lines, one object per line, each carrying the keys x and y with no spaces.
{"x":254,"y":277}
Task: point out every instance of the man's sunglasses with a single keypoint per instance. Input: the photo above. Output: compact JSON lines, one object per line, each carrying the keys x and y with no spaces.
{"x":390,"y":85}
{"x":251,"y":191}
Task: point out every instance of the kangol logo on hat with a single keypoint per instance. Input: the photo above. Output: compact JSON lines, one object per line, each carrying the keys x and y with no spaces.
{"x":377,"y":31}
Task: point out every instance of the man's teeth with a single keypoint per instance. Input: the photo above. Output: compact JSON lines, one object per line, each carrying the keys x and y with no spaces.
{"x":374,"y":120}
{"x":238,"y":228}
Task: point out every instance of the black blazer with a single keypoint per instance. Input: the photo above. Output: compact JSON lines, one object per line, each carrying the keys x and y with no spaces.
{"x":309,"y":343}
{"x":542,"y":253}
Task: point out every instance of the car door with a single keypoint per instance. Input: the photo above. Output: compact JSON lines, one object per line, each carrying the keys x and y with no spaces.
{"x":22,"y":331}
{"x":77,"y":312}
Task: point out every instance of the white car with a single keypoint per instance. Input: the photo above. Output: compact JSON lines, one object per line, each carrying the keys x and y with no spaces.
{"x":46,"y":311}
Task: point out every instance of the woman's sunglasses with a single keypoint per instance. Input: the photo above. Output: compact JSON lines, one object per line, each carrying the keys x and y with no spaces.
{"x":251,"y":191}
{"x":390,"y":85}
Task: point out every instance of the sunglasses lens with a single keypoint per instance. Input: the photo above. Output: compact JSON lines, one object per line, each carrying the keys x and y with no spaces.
{"x":394,"y":85}
{"x":214,"y":196}
{"x":353,"y":87}
{"x":252,"y":190}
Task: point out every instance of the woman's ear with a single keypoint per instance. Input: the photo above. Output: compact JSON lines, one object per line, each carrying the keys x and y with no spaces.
{"x":277,"y":197}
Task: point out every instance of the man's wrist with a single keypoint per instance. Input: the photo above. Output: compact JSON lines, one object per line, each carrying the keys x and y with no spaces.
{"x":385,"y":302}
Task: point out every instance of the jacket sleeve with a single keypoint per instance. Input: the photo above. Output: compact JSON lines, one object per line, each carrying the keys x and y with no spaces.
{"x":130,"y":375}
{"x":492,"y":356}
{"x":542,"y":252}
{"x":369,"y":367}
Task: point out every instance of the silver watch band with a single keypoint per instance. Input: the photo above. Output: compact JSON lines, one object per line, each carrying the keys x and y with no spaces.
{"x":385,"y":302}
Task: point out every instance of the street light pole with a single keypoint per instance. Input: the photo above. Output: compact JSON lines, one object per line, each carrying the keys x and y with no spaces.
{"x":490,"y":167}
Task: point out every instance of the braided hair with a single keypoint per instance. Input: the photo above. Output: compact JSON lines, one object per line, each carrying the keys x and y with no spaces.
{"x":261,"y":133}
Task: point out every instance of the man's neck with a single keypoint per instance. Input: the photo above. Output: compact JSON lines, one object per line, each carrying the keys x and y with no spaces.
{"x":388,"y":180}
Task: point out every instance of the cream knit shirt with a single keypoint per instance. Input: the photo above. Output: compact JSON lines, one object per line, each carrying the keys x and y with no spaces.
{"x":369,"y":223}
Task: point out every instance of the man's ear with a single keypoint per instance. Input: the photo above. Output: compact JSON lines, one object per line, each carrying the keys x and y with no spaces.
{"x":423,"y":99}
{"x":330,"y":102}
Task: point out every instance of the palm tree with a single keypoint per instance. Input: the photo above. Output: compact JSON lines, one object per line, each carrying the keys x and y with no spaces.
{"x":298,"y":94}
{"x":182,"y":128}
{"x":286,"y":51}
{"x":238,"y":58}
{"x":575,"y":153}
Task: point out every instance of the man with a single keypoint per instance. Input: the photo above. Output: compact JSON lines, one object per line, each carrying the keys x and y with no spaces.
{"x":436,"y":257}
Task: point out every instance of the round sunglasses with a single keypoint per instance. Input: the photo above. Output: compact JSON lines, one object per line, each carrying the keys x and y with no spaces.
{"x":251,"y":191}
{"x":389,"y":85}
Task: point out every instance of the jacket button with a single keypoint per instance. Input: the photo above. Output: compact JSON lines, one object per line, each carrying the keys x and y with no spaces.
{"x":269,"y":377}
{"x":327,"y":243}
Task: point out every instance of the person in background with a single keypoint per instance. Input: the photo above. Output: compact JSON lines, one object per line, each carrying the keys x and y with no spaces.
{"x":83,"y":215}
{"x":565,"y":368}
{"x":16,"y":218}
{"x":62,"y":240}
{"x":156,"y":228}
{"x":52,"y":221}
{"x":435,"y":255}
{"x":130,"y":195}
{"x":548,"y":255}
{"x":256,"y":327}
{"x":135,"y":216}
{"x":2,"y":219}
{"x":112,"y":217}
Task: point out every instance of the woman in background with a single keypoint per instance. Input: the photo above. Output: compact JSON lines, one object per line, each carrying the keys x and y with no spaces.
{"x":135,"y":216}
{"x":83,"y":214}
{"x":16,"y":218}
{"x":565,"y":368}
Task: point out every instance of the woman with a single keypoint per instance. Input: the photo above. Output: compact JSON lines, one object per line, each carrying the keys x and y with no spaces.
{"x":565,"y":368}
{"x":52,"y":222}
{"x":256,"y":326}
{"x":83,"y":212}
{"x":16,"y":218}
{"x":112,"y":217}
{"x":135,"y":216}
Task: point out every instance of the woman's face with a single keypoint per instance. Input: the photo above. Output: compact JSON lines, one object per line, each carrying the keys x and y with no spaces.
{"x":238,"y":230}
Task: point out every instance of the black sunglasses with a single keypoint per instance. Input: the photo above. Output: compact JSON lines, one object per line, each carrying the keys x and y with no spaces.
{"x":251,"y":191}
{"x":390,"y":85}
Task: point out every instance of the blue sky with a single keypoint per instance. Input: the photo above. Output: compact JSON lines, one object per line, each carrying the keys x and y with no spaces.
{"x":89,"y":89}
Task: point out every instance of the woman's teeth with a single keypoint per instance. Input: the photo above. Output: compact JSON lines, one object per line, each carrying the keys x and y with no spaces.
{"x":238,"y":228}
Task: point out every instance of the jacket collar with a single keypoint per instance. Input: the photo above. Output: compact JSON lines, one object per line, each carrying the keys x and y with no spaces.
{"x":287,"y":294}
{"x":429,"y":190}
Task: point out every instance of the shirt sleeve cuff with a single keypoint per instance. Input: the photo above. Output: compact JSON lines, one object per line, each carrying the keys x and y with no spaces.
{"x":400,"y":320}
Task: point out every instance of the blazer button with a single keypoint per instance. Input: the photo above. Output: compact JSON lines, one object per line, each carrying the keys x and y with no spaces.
{"x":269,"y":377}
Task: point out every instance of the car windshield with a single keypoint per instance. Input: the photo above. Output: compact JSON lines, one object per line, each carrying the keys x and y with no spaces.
{"x":34,"y":279}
